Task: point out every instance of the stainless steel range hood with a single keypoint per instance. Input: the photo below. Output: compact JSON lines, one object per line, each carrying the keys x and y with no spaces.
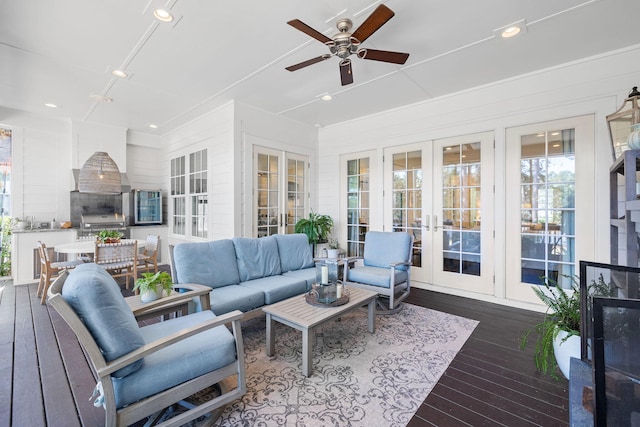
{"x":124,"y":188}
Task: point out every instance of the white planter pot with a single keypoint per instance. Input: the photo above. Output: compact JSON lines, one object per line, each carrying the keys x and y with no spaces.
{"x":565,"y":350}
{"x":333,"y":253}
{"x":148,"y":296}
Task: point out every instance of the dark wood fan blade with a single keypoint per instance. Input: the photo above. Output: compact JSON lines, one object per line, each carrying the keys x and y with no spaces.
{"x":376,"y":20}
{"x":383,"y":55}
{"x":299,"y":25}
{"x":346,"y":75}
{"x":307,"y":62}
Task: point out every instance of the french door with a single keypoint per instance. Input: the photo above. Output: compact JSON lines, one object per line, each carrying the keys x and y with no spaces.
{"x":549,"y":203}
{"x":280,"y":191}
{"x":441,"y":192}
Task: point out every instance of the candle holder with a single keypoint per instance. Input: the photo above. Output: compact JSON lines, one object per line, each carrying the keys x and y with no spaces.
{"x":327,"y":272}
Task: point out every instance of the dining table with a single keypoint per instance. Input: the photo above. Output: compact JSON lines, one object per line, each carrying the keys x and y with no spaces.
{"x":73,"y":249}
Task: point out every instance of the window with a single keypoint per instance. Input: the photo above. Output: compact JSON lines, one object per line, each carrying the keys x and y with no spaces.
{"x":198,"y":193}
{"x":178,"y":191}
{"x":192,"y":211}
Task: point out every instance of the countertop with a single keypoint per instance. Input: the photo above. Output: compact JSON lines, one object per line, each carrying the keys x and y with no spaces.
{"x":38,"y":230}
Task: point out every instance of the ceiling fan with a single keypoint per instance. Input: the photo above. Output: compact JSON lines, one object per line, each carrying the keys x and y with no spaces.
{"x":344,"y":44}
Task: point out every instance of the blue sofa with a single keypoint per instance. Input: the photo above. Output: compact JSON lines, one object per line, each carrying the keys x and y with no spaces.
{"x":246,"y":273}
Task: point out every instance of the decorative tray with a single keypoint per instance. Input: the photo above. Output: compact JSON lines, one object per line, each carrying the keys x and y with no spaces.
{"x":312,"y":299}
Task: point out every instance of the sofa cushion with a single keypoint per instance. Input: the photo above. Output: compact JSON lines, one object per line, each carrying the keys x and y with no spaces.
{"x":376,"y":276}
{"x":177,"y":363}
{"x":256,"y":257}
{"x":306,"y":274}
{"x":383,"y":248}
{"x":206,"y":263}
{"x":96,"y":298}
{"x":295,"y":251}
{"x":277,"y":288}
{"x":235,"y":297}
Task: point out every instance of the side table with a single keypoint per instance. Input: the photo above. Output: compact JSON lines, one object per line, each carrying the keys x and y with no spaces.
{"x":177,"y":302}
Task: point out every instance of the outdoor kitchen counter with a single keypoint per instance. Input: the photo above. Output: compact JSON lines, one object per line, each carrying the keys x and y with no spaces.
{"x":24,"y":257}
{"x":39,"y":230}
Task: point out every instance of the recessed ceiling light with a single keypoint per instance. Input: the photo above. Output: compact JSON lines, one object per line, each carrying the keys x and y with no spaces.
{"x":102,"y":99}
{"x":540,"y":135}
{"x":449,"y":148}
{"x":556,"y":145}
{"x":153,"y":126}
{"x":119,"y":73}
{"x":51,"y":105}
{"x":162,"y":15}
{"x":511,"y":30}
{"x":555,"y":133}
{"x":327,"y":97}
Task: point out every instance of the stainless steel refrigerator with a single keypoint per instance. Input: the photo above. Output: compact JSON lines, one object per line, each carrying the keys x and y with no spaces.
{"x":146,"y":206}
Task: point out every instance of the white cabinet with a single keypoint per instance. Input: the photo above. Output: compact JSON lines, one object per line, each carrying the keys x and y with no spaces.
{"x":23,"y":246}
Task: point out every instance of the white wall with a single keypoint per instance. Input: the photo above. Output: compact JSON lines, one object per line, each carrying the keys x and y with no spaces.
{"x":41,"y":175}
{"x":595,"y":86}
{"x":213,"y":131}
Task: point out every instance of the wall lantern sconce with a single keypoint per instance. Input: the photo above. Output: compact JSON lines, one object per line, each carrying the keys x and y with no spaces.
{"x":624,"y":125}
{"x":100,"y":174}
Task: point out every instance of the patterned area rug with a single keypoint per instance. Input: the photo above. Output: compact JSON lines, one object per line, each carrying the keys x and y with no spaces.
{"x":358,"y":379}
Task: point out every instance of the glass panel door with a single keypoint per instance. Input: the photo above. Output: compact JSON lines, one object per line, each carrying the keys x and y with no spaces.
{"x":462,"y":255}
{"x":267,"y":193}
{"x":281,"y":198}
{"x":404,"y":176}
{"x":548,"y":211}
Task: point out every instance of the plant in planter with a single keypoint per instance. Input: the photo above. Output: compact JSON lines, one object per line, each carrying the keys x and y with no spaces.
{"x":334,"y":248}
{"x":153,"y":285}
{"x":109,"y":236}
{"x":317,"y":228}
{"x":560,"y":327}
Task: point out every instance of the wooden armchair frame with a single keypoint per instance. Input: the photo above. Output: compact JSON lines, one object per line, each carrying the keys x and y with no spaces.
{"x":152,"y":404}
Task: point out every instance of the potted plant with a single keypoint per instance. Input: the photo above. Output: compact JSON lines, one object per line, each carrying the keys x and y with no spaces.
{"x":109,"y":236}
{"x":559,"y":331}
{"x":317,"y":228}
{"x":153,"y":285}
{"x":334,"y":248}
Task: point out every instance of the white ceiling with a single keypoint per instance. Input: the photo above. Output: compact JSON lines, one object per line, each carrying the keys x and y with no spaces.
{"x":63,"y":51}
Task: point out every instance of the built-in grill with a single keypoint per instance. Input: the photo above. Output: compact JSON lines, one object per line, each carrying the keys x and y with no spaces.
{"x":92,"y":224}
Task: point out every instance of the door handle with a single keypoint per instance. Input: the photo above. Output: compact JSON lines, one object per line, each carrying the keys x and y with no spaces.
{"x":435,"y":223}
{"x":427,"y":222}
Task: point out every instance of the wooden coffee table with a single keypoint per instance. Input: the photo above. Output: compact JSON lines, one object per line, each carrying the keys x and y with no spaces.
{"x":177,"y":302}
{"x":298,"y":314}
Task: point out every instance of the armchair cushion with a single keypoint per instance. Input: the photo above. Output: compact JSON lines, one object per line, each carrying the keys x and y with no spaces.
{"x":212,"y":263}
{"x":376,"y":276}
{"x":96,"y":298}
{"x":384,"y":248}
{"x":257,"y":257}
{"x":295,"y":252}
{"x":177,"y":363}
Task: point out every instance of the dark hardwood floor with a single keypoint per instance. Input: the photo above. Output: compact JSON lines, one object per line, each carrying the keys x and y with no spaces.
{"x":45,"y":380}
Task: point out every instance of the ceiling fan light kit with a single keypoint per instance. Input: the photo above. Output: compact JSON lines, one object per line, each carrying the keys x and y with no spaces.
{"x":344,"y":44}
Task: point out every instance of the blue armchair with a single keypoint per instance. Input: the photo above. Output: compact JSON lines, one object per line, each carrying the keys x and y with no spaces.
{"x":142,"y":370}
{"x":386,"y":266}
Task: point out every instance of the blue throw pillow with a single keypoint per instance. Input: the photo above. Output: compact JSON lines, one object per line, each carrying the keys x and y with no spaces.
{"x":96,"y":298}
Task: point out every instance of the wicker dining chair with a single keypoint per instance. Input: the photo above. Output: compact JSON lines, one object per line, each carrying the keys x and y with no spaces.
{"x":119,"y":259}
{"x":148,"y":259}
{"x":49,"y":270}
